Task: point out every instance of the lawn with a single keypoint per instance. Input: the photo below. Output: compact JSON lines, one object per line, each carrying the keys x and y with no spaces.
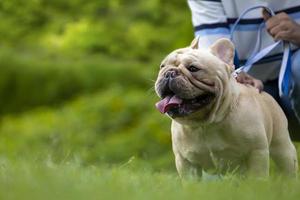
{"x":32,"y":180}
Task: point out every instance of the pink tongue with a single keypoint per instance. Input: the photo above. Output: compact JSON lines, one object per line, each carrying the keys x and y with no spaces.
{"x":167,"y":103}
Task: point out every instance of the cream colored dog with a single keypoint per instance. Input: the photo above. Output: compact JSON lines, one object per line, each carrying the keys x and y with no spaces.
{"x":217,"y":123}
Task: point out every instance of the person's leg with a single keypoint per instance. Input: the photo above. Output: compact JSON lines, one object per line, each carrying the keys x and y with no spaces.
{"x":295,"y":90}
{"x":271,"y":87}
{"x":293,"y":101}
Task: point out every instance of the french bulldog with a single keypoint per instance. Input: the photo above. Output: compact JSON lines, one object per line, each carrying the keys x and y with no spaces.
{"x":219,"y":125}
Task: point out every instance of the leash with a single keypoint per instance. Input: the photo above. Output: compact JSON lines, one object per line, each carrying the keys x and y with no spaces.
{"x":285,"y":68}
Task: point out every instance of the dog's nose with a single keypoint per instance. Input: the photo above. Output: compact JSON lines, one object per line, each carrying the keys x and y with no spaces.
{"x":171,"y":74}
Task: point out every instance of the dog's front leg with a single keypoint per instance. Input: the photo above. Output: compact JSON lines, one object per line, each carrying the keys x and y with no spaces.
{"x":186,"y":169}
{"x":258,"y":163}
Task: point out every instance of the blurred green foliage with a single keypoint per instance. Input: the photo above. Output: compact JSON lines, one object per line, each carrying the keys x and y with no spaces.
{"x":127,"y":29}
{"x":108,"y":127}
{"x":54,"y":50}
{"x":35,"y":78}
{"x":76,"y":79}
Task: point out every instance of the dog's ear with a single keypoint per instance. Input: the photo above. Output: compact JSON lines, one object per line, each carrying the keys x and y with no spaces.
{"x":195,"y":43}
{"x":223,"y":49}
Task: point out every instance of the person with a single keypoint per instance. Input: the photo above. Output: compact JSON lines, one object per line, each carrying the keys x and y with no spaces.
{"x":213,"y":19}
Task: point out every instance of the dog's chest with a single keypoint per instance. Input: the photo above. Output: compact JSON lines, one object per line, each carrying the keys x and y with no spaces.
{"x":204,"y":146}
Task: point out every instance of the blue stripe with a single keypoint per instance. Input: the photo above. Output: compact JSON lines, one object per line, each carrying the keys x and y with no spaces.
{"x":295,"y":15}
{"x":215,"y":31}
{"x":206,"y":30}
{"x":270,"y":58}
{"x":254,"y":27}
{"x":246,"y":21}
{"x":291,"y":11}
{"x":207,"y":0}
{"x":223,"y":30}
{"x":262,"y":61}
{"x":211,"y":26}
{"x":246,"y":27}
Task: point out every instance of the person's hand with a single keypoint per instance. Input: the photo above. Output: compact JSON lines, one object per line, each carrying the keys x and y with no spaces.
{"x":246,"y":79}
{"x":282,"y":27}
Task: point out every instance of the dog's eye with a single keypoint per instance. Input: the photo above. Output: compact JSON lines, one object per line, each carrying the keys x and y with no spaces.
{"x":192,"y":68}
{"x":162,"y":66}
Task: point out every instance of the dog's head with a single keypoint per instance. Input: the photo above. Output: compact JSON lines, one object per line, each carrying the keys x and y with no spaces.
{"x":191,"y":81}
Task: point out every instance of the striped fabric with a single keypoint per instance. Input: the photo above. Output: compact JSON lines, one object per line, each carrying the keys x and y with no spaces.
{"x":212,"y":19}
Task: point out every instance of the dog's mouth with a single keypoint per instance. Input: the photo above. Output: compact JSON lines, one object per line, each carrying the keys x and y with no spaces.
{"x":177,"y":107}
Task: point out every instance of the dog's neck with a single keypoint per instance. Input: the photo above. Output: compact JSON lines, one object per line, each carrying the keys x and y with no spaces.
{"x":226,"y":102}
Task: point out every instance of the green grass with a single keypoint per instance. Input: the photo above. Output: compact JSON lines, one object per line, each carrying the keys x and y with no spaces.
{"x":34,"y":180}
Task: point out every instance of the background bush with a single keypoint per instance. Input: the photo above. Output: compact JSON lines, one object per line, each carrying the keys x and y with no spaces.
{"x":109,"y":127}
{"x":54,"y":50}
{"x":77,"y":76}
{"x":35,"y":78}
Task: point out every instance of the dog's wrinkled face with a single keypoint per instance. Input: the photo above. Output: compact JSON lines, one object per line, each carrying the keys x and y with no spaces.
{"x":191,"y":80}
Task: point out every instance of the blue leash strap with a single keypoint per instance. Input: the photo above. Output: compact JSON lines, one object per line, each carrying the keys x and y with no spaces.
{"x":284,"y":80}
{"x":285,"y":69}
{"x":258,"y":56}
